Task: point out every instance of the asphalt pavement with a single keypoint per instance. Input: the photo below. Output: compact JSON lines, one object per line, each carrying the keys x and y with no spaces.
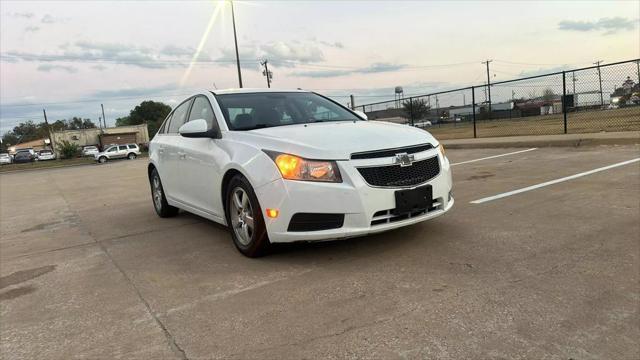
{"x":88,"y":270}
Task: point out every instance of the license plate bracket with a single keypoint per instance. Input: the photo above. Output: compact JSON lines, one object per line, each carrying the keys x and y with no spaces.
{"x":412,"y":200}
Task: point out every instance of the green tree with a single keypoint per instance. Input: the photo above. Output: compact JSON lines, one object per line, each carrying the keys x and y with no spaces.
{"x":123,"y":121}
{"x":415,"y":109}
{"x":150,"y":112}
{"x":548,"y":95}
{"x":68,"y":150}
{"x":77,"y":123}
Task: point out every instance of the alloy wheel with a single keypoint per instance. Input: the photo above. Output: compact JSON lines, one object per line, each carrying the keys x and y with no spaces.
{"x":242,"y":217}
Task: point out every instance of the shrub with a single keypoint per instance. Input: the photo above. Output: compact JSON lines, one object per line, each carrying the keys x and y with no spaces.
{"x":68,"y":150}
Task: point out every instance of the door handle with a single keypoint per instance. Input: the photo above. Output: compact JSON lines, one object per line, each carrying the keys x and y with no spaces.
{"x":160,"y":150}
{"x":182,"y":155}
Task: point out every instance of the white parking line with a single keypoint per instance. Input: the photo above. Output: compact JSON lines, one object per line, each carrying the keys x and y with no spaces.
{"x":533,"y":187}
{"x":493,"y":157}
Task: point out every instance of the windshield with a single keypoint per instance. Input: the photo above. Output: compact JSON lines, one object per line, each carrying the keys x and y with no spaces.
{"x":259,"y":110}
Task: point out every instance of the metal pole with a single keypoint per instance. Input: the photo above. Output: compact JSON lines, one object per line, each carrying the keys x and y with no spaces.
{"x":104,"y":119}
{"x":564,"y":100}
{"x":597,"y":63}
{"x":488,"y":85}
{"x":638,"y":66}
{"x":411,"y":110}
{"x":266,"y":72}
{"x":235,"y":40}
{"x":53,"y":148}
{"x":353,"y":101}
{"x":473,"y":107}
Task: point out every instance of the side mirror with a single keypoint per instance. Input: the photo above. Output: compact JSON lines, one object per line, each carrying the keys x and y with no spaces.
{"x":197,"y":129}
{"x":361,"y":114}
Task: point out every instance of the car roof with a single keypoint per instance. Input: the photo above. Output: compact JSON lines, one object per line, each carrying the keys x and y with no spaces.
{"x":254,"y":90}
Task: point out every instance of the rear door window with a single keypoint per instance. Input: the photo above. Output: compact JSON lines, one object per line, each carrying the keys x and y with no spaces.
{"x":123,"y":147}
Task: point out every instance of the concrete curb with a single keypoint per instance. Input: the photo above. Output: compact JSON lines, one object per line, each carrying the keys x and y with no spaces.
{"x":631,"y":138}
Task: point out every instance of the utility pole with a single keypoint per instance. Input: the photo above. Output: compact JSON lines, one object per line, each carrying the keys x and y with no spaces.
{"x":266,"y":72}
{"x":488,"y":84}
{"x":104,"y":119}
{"x":44,"y":112}
{"x":235,"y":39}
{"x":597,"y":63}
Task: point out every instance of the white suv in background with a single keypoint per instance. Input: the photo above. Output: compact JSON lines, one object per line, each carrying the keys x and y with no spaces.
{"x":126,"y":151}
{"x":284,"y":166}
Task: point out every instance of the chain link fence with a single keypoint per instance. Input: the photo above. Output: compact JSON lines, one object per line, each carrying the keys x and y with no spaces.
{"x":592,"y":99}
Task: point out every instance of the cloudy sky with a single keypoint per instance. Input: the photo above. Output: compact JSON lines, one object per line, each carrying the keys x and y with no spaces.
{"x":69,"y":57}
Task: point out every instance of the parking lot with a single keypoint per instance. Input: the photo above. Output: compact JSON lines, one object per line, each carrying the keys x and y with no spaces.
{"x":88,"y":270}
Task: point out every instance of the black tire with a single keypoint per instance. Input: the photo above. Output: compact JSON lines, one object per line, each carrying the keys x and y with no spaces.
{"x":259,"y":243}
{"x":160,"y":204}
{"x":102,"y":159}
{"x":131,"y":156}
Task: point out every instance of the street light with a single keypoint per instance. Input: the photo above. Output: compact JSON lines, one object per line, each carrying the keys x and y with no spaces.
{"x":235,"y":39}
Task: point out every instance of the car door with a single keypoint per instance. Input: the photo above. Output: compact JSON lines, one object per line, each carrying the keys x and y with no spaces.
{"x":168,"y":148}
{"x":200,"y":163}
{"x":122,"y":151}
{"x":112,"y":152}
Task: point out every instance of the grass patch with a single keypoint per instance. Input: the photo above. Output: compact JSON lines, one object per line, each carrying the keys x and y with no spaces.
{"x":47,"y":164}
{"x":625,"y":119}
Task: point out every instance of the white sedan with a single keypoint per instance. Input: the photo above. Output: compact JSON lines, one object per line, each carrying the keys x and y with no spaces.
{"x":283,"y":166}
{"x":46,"y":155}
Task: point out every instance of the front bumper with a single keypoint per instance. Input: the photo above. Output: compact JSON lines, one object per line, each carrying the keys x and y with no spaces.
{"x":361,"y":203}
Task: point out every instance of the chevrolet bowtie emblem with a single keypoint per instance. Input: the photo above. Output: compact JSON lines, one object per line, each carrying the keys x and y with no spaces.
{"x":404,"y":159}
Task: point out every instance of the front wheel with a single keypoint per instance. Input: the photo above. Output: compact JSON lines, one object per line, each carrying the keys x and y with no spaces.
{"x":102,"y":159}
{"x":160,"y":204}
{"x":244,"y":218}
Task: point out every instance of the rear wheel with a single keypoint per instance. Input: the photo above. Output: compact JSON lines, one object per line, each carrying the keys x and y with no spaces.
{"x":160,"y":204}
{"x":131,"y":156}
{"x":244,"y":218}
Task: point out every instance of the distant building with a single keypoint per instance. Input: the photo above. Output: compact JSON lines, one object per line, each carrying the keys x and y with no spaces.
{"x":627,"y":94}
{"x":137,"y":134}
{"x":36,"y":145}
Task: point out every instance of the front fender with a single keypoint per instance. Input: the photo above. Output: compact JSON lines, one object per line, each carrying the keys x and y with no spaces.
{"x":252,"y":163}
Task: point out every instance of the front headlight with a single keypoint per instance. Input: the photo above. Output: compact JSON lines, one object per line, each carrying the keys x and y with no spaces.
{"x":441,"y":149}
{"x":296,"y":168}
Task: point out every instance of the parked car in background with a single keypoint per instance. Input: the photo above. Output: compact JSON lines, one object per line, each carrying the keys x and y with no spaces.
{"x":126,"y":151}
{"x":23,"y":157}
{"x":5,"y":158}
{"x":29,"y":150}
{"x":422,"y":124}
{"x":284,"y":166}
{"x":90,"y":150}
{"x":46,"y":155}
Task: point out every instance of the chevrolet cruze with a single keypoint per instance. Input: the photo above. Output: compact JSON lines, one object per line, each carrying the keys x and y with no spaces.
{"x":282,"y":166}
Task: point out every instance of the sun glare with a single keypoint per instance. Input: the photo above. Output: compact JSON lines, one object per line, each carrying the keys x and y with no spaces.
{"x":203,"y":40}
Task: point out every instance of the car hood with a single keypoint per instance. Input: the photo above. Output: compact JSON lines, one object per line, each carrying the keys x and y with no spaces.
{"x":334,"y":140}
